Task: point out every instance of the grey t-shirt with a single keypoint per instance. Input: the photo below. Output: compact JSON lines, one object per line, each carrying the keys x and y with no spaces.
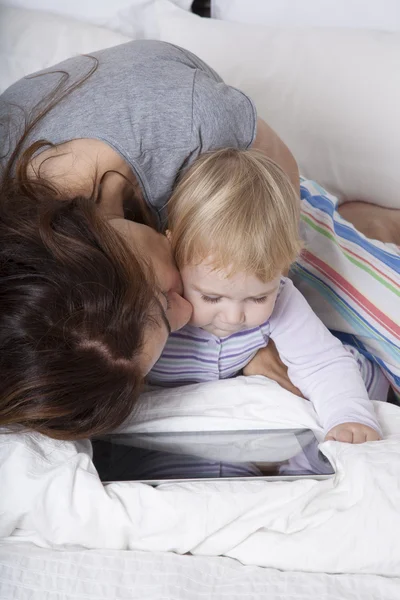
{"x":158,"y":105}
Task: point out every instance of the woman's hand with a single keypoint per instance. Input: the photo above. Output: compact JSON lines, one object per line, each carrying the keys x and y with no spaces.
{"x":267,"y":363}
{"x":352,"y":433}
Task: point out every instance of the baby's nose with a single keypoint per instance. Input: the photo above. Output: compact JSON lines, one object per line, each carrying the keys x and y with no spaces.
{"x":234,"y":315}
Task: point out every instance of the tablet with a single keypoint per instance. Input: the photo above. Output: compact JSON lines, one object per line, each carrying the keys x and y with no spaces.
{"x":156,"y":458}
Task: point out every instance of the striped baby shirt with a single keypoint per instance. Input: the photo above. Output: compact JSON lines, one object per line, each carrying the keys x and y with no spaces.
{"x":318,"y":364}
{"x":192,"y":355}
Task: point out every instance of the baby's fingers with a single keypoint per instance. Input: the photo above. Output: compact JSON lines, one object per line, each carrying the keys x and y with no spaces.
{"x":372,"y":435}
{"x":365,"y":434}
{"x":339,"y":434}
{"x":353,"y":433}
{"x":345,"y":435}
{"x":360,"y":435}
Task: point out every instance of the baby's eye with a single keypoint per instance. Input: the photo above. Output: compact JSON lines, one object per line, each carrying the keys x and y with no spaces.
{"x":260,"y":300}
{"x":211,"y":299}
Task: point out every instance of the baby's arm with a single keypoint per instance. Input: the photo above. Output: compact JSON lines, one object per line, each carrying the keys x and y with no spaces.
{"x":322,"y":369}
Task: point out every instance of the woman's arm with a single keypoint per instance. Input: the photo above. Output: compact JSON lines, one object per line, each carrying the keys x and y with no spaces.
{"x":268,"y":142}
{"x":267,"y":363}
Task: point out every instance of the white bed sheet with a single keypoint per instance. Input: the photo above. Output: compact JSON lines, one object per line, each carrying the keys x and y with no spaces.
{"x":348,"y":524}
{"x":28,"y":572}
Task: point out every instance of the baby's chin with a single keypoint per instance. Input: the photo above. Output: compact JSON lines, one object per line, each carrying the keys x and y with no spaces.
{"x":221,"y":333}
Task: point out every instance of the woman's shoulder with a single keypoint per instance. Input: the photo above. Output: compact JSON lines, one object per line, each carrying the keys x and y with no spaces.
{"x":152,"y":57}
{"x":150,"y":50}
{"x":126,"y":57}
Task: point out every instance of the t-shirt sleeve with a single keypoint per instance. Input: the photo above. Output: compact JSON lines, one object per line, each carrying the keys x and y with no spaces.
{"x":223,"y":117}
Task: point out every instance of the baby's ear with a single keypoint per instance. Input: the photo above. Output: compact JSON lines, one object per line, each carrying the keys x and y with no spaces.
{"x":169,"y":235}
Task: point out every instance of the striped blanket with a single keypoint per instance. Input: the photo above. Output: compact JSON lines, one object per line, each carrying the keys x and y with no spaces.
{"x":351,"y":282}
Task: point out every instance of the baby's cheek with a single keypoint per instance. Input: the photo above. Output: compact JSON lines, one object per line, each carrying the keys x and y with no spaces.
{"x":259,"y":315}
{"x":198,"y":318}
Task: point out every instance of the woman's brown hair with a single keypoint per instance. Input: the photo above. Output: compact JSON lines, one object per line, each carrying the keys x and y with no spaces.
{"x":74,"y":304}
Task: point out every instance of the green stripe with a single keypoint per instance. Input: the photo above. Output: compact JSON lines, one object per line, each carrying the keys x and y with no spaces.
{"x":318,"y":228}
{"x":375,"y":275}
{"x":365,"y":268}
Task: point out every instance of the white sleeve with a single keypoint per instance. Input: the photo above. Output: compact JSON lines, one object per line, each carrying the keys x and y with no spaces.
{"x":54,"y":497}
{"x":318,"y":364}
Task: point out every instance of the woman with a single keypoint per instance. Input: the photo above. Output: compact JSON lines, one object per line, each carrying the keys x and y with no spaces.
{"x":89,"y":290}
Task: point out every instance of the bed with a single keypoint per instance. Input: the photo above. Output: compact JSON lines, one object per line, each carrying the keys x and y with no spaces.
{"x":332,"y":540}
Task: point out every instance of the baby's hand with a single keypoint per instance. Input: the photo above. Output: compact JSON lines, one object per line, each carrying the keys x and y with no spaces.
{"x":352,"y":433}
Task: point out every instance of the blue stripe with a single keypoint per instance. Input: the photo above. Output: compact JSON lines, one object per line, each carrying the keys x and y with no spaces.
{"x":182,"y":358}
{"x":348,"y":233}
{"x":244,"y":351}
{"x":184,"y":336}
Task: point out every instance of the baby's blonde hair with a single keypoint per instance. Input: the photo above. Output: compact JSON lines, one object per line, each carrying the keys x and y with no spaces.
{"x":239,"y":209}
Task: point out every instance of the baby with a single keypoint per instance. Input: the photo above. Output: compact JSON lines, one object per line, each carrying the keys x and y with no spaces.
{"x":234,"y":228}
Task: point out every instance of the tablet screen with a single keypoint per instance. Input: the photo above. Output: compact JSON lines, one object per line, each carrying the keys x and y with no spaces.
{"x":181,"y":456}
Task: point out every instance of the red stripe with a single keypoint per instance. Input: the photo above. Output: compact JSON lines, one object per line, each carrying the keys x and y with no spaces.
{"x":351,"y":291}
{"x":346,"y":249}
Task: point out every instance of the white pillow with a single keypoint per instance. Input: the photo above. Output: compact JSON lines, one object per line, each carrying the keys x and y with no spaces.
{"x":134,"y":18}
{"x":370,"y":14}
{"x":332,"y":94}
{"x":31,"y":40}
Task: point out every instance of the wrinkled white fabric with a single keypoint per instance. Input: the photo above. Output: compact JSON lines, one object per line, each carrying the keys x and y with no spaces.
{"x":51,"y":494}
{"x":27,"y":571}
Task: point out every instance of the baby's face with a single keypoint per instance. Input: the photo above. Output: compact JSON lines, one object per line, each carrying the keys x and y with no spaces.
{"x":223,"y":305}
